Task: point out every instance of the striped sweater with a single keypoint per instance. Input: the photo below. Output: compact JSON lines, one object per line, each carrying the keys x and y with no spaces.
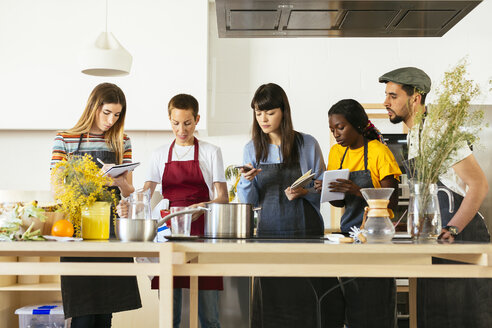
{"x":65,"y":144}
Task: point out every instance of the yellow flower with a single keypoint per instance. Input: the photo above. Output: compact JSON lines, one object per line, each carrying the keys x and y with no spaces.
{"x":78,"y":182}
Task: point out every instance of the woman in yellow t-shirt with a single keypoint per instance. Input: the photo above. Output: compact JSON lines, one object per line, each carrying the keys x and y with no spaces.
{"x":369,"y":302}
{"x":360,"y":149}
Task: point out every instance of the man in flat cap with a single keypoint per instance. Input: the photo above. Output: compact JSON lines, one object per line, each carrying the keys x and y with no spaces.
{"x":406,"y":89}
{"x":445,"y":302}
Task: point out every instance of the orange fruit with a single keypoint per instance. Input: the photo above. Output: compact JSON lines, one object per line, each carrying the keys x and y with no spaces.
{"x":62,"y":228}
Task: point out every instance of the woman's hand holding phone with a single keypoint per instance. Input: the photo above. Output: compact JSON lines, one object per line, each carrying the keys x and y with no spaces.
{"x":248,"y":171}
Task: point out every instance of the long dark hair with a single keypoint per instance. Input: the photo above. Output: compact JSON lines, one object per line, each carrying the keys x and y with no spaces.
{"x":267,"y":97}
{"x":355,"y":114}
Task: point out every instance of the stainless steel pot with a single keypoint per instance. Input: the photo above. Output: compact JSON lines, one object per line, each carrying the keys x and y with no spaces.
{"x":144,"y":230}
{"x":233,"y":220}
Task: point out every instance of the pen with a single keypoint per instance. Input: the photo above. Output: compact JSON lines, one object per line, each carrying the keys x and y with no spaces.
{"x":102,"y":163}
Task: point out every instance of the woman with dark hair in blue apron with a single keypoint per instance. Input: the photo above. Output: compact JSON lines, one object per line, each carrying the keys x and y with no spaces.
{"x":91,"y":300}
{"x":277,"y":155}
{"x":369,"y":302}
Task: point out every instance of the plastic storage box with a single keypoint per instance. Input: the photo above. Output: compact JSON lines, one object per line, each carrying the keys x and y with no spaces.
{"x":42,"y":316}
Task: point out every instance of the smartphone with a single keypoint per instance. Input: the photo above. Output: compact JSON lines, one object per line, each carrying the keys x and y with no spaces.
{"x":244,"y":167}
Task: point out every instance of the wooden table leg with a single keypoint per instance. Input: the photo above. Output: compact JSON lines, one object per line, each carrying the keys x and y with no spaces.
{"x":194,"y":299}
{"x":412,"y":300}
{"x":166,"y":286}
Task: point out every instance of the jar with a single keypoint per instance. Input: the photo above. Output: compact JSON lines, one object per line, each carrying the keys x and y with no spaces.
{"x":95,"y":220}
{"x":424,"y":215}
{"x":378,"y":227}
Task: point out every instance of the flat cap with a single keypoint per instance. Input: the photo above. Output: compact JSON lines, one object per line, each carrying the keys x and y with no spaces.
{"x":410,"y":76}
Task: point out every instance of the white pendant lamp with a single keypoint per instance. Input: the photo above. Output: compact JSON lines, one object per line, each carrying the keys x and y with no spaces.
{"x":106,"y":56}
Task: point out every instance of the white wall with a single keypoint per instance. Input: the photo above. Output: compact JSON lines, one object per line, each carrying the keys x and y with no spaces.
{"x":314,"y":72}
{"x":317,"y":72}
{"x":41,"y":41}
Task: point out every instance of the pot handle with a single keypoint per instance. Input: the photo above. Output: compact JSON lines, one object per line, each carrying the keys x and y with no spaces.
{"x":188,"y":211}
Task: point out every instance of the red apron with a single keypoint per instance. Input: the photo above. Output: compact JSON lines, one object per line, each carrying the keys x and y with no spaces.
{"x":183,"y":185}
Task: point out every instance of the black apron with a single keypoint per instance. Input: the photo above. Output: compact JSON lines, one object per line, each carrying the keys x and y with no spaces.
{"x":456,"y":302}
{"x":369,"y":302}
{"x":291,"y":302}
{"x":85,"y":295}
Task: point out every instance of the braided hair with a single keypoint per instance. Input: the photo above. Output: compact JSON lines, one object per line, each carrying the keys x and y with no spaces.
{"x":355,"y":114}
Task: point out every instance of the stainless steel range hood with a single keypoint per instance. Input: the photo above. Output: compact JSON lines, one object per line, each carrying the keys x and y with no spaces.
{"x":324,"y":18}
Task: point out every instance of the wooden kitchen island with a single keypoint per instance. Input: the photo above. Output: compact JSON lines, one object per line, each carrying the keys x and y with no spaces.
{"x":205,"y":257}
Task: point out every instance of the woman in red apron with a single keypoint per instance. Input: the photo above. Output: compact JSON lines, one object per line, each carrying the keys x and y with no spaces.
{"x":189,"y":171}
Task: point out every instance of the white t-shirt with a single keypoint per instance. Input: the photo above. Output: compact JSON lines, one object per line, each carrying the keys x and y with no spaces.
{"x":209,"y":158}
{"x":450,"y":179}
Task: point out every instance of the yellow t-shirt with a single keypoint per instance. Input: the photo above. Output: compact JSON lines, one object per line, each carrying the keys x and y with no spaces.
{"x":380,"y":161}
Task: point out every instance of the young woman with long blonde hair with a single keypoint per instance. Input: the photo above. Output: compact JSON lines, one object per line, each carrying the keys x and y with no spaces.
{"x":91,"y":300}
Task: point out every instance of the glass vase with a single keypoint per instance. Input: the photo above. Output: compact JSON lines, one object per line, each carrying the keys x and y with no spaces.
{"x":95,"y":220}
{"x":424,"y":216}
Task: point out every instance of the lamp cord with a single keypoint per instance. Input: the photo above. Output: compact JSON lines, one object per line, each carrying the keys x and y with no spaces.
{"x":106,"y":16}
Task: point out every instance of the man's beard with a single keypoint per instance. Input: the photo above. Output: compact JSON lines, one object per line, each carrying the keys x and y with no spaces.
{"x":396,"y":119}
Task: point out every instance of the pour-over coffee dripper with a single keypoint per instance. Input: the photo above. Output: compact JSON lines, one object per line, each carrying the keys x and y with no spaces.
{"x":377,"y":227}
{"x":376,"y":193}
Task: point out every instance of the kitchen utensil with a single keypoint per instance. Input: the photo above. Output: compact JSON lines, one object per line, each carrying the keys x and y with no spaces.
{"x":139,"y":207}
{"x":182,"y":237}
{"x":378,"y":227}
{"x":232,"y":220}
{"x":180,"y":224}
{"x":142,"y":229}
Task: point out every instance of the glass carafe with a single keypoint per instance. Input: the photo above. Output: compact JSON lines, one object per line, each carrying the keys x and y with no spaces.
{"x":424,"y":215}
{"x":378,"y":227}
{"x":139,"y":207}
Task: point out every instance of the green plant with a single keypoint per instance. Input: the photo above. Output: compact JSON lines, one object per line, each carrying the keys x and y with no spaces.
{"x":233,"y":176}
{"x":448,"y":125}
{"x":11,"y":221}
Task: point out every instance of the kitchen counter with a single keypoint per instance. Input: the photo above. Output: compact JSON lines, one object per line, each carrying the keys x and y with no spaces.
{"x":212,"y":257}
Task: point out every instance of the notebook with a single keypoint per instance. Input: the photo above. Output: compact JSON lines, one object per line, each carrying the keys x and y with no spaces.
{"x":304,"y":180}
{"x":120,"y":169}
{"x":331,"y":176}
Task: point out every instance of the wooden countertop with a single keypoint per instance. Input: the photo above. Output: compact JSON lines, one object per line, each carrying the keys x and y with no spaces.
{"x":205,"y":257}
{"x":268,"y":257}
{"x":292,"y":246}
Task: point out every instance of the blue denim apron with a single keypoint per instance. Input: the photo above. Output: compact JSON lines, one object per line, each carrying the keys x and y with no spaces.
{"x":84,"y":295}
{"x":456,"y":302}
{"x":291,"y":302}
{"x":369,"y":302}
